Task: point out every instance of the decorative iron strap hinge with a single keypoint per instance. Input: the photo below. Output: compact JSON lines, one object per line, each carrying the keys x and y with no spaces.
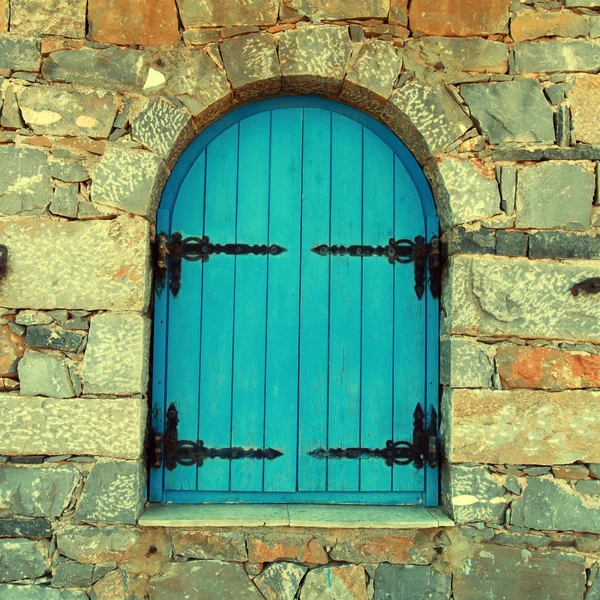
{"x":171,"y":252}
{"x":168,"y":448}
{"x":401,"y":251}
{"x":423,"y":449}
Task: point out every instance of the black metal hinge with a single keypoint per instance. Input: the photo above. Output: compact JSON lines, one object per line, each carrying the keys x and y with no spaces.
{"x":172,"y":451}
{"x":170,"y":253}
{"x":401,"y":251}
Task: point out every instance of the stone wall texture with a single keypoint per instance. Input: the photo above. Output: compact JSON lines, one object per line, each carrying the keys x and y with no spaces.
{"x":499,"y":101}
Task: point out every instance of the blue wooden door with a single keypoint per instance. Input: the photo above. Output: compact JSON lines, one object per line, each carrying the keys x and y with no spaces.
{"x":277,"y":364}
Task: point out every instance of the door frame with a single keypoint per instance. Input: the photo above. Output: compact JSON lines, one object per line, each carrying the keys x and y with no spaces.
{"x":157,"y":493}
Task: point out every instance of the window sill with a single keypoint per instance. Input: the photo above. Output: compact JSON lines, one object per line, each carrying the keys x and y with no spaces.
{"x":293,"y":515}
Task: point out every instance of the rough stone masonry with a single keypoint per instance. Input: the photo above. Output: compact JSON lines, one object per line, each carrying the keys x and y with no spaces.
{"x":499,"y":100}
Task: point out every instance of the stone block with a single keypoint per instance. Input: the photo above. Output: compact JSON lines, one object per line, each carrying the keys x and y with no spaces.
{"x":465,"y":363}
{"x":102,"y":265}
{"x":113,"y":427}
{"x":584,"y":101}
{"x":44,"y":375}
{"x":60,"y":17}
{"x":402,"y":582}
{"x":20,"y":53}
{"x":22,"y":559}
{"x":211,"y":13}
{"x":116,"y":360}
{"x":25,"y":528}
{"x":212,"y":545}
{"x":114,"y":492}
{"x":465,"y":190}
{"x":590,"y":486}
{"x":583,"y":3}
{"x":570,"y":472}
{"x":112,"y":68}
{"x":60,"y":111}
{"x":38,"y":592}
{"x":338,"y":582}
{"x":460,"y":240}
{"x":555,"y":195}
{"x":54,"y":338}
{"x":72,"y":575}
{"x":457,"y":18}
{"x":280,"y":581}
{"x":497,"y":572}
{"x":98,"y":545}
{"x":512,"y":243}
{"x":67,"y":171}
{"x":252,"y":65}
{"x":204,"y":579}
{"x":36,"y":492}
{"x":334,"y":10}
{"x":427,"y":119}
{"x":269,"y":547}
{"x":24,"y":181}
{"x":11,"y":350}
{"x":133,"y":22}
{"x":65,"y":201}
{"x":521,"y":426}
{"x":313,"y":59}
{"x":530,"y":25}
{"x":511,"y":111}
{"x":114,"y":585}
{"x":372,"y":75}
{"x":11,"y":115}
{"x":4,"y":16}
{"x":563,"y":244}
{"x":553,"y":56}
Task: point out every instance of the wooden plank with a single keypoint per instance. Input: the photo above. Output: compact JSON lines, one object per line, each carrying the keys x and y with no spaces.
{"x":250,"y":301}
{"x":216,"y":350}
{"x":314,"y":299}
{"x":281,"y":397}
{"x":345,"y":302}
{"x":377,"y":312}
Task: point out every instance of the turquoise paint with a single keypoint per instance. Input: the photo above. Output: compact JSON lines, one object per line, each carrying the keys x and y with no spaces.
{"x":296,"y":351}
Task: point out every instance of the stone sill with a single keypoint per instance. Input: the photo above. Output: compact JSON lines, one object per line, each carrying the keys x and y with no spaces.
{"x":293,"y":515}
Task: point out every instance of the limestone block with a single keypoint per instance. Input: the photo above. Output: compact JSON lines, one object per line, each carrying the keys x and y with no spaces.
{"x":457,"y":18}
{"x":164,"y":129}
{"x":204,"y":579}
{"x":252,"y":65}
{"x":144,"y":22}
{"x":554,"y":195}
{"x":131,"y":180}
{"x":112,"y":68}
{"x":11,"y":350}
{"x":511,"y":111}
{"x":100,"y":265}
{"x":61,"y":111}
{"x":24,"y":181}
{"x":465,"y":190}
{"x":465,"y":363}
{"x":116,"y":360}
{"x":210,"y":13}
{"x":217,"y":545}
{"x":4,"y":15}
{"x":401,"y":581}
{"x":44,"y":375}
{"x":503,"y":296}
{"x":584,"y":99}
{"x":426,"y":119}
{"x":38,"y":592}
{"x":22,"y":559}
{"x":59,"y":17}
{"x":280,"y":581}
{"x":521,"y":427}
{"x":552,"y":56}
{"x":36,"y":492}
{"x":339,"y":582}
{"x":97,"y":545}
{"x":530,"y":25}
{"x":334,"y":10}
{"x":313,"y":59}
{"x":113,"y":427}
{"x":20,"y":53}
{"x":371,"y":77}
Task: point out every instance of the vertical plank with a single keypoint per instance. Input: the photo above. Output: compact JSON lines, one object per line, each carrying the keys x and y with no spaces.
{"x":377,"y":312}
{"x":281,"y":396}
{"x":216,"y":350}
{"x":345,"y":301}
{"x":314,"y":300}
{"x":250,"y":301}
{"x":183,"y":360}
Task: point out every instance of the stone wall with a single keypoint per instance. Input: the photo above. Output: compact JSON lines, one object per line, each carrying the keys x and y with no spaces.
{"x":500,"y":103}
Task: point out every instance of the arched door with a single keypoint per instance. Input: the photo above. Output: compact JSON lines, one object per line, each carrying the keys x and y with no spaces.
{"x":295,"y":355}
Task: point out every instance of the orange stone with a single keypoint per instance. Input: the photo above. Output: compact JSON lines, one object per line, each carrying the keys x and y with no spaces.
{"x":145,"y":22}
{"x":584,"y":98}
{"x":298,"y":548}
{"x":532,"y":25}
{"x":459,"y":17}
{"x":11,"y":350}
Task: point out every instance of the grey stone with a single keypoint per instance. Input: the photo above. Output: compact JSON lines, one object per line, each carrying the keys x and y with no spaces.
{"x":55,"y":110}
{"x":508,"y":189}
{"x":512,"y":243}
{"x":113,"y":427}
{"x":11,"y":115}
{"x":563,"y":125}
{"x":38,"y":592}
{"x":583,"y":3}
{"x":357,"y":33}
{"x":556,"y":55}
{"x":228,"y":545}
{"x":36,"y":491}
{"x":555,"y":93}
{"x":25,"y":181}
{"x":65,"y":201}
{"x":116,"y":361}
{"x":511,"y":111}
{"x":594,"y":470}
{"x":571,"y":189}
{"x":471,"y":494}
{"x":33,"y":317}
{"x":313,"y":59}
{"x":562,"y":244}
{"x":114,"y":492}
{"x":199,"y":37}
{"x":459,"y":240}
{"x":280,"y":581}
{"x":513,"y":484}
{"x":204,"y":580}
{"x":335,"y":582}
{"x":80,"y":323}
{"x":16,"y":328}
{"x":465,"y":363}
{"x":97,"y":545}
{"x":252,"y":65}
{"x":580,"y":152}
{"x":44,"y":375}
{"x":25,"y":528}
{"x":72,"y":575}
{"x":211,"y":13}
{"x":19,"y":53}
{"x":334,"y":9}
{"x":46,"y":337}
{"x":536,"y":471}
{"x":590,"y":486}
{"x":131,"y":180}
{"x":22,"y":559}
{"x":409,"y":582}
{"x":524,"y":540}
{"x":517,"y":154}
{"x":62,"y":17}
{"x":112,"y":68}
{"x":595,"y":33}
{"x":587,"y":543}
